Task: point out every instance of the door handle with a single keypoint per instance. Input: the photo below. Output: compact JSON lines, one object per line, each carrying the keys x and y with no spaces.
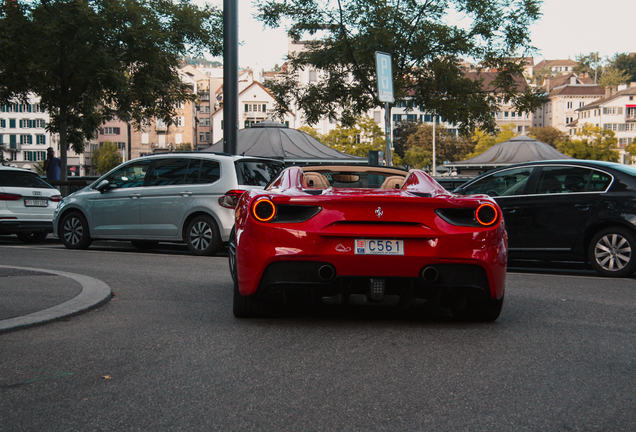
{"x":134,"y":196}
{"x":185,"y":193}
{"x":582,"y":207}
{"x":510,"y":209}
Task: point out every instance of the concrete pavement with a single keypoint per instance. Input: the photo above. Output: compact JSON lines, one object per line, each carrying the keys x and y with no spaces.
{"x":33,"y":296}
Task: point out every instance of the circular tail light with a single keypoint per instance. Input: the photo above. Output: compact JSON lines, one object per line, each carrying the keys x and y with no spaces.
{"x":264,"y":210}
{"x":486,"y":214}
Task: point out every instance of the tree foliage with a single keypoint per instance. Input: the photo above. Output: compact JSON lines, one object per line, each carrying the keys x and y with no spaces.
{"x":548,"y":134}
{"x":183,"y":147}
{"x":89,"y":60}
{"x":419,"y":144}
{"x":106,"y":157}
{"x":613,"y":76}
{"x":427,"y":53}
{"x":484,"y":140}
{"x":589,"y":63}
{"x":592,"y":143}
{"x":625,"y":62}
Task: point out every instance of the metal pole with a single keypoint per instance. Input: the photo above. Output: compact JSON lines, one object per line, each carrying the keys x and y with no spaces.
{"x":387,"y":133}
{"x":434,"y":171}
{"x":230,"y":75}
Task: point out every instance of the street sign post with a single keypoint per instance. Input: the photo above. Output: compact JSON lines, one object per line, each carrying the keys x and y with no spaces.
{"x":384,"y":72}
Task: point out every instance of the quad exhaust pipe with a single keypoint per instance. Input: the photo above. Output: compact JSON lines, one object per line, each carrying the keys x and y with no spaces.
{"x":326,"y":272}
{"x":429,"y":274}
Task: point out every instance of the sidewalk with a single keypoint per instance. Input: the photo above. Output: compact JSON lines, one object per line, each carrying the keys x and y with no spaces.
{"x":31,"y":296}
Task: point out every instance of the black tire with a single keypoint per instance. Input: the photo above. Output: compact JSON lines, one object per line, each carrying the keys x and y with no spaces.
{"x":74,"y":233}
{"x":612,"y":252}
{"x":32,"y":236}
{"x":202,"y":236}
{"x":484,"y":311}
{"x":144,"y":244}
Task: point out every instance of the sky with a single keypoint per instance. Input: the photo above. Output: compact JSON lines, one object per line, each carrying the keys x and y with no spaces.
{"x":566,"y":29}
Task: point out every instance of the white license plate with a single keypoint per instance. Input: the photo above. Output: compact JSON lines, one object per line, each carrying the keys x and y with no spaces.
{"x":379,"y":247}
{"x":36,"y":203}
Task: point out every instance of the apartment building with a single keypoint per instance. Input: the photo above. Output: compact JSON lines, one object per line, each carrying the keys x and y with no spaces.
{"x":24,"y":137}
{"x":615,"y":111}
{"x":563,"y":101}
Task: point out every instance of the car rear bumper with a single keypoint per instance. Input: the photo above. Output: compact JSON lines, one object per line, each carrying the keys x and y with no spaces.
{"x":318,"y":282}
{"x":11,"y":226}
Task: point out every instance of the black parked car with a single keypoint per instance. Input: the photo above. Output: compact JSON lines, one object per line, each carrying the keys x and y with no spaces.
{"x":567,"y":210}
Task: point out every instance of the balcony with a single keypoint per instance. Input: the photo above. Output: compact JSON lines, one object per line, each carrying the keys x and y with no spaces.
{"x":630,"y":117}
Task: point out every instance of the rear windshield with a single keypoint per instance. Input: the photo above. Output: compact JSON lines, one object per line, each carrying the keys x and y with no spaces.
{"x":22,"y":179}
{"x":257,"y":173}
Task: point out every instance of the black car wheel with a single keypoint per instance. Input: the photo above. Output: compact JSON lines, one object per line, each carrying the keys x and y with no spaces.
{"x":32,"y":236}
{"x":202,"y":236}
{"x":612,"y":252}
{"x":74,"y":231}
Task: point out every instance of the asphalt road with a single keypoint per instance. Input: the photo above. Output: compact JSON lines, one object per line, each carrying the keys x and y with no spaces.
{"x":166,"y":354}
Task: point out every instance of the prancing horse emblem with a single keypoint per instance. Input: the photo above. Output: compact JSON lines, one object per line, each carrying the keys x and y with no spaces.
{"x":379,"y":212}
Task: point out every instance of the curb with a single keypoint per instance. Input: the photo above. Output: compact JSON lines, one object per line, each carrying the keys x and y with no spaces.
{"x":94,"y":293}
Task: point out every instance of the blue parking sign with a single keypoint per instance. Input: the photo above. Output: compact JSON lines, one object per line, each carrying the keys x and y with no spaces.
{"x":384,"y":71}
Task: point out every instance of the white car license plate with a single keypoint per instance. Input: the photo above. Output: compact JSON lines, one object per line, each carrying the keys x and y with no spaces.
{"x":36,"y":203}
{"x":379,"y":247}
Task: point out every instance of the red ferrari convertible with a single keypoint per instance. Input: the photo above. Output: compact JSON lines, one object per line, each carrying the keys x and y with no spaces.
{"x":368,"y":236}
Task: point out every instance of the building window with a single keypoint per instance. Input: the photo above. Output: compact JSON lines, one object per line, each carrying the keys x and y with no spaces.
{"x":26,"y":139}
{"x":3,"y":123}
{"x":40,"y":139}
{"x":34,"y":156}
{"x":109,"y":131}
{"x":313,"y":76}
{"x":12,"y":123}
{"x":569,"y":105}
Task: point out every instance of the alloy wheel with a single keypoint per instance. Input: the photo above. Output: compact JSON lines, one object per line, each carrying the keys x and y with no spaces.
{"x":612,"y":252}
{"x":73,"y":230}
{"x":201,"y":235}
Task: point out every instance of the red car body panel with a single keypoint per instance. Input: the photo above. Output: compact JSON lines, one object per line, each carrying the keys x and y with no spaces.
{"x":346,"y":215}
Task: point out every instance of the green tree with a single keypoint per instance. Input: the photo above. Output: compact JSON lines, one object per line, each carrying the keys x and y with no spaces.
{"x":106,"y":157}
{"x":625,"y":62}
{"x":548,"y":134}
{"x":613,"y":77}
{"x":183,"y":147}
{"x":484,"y":140}
{"x":401,"y":133}
{"x":447,"y":147}
{"x":592,"y":143}
{"x":417,"y":157}
{"x":90,"y":60}
{"x":427,"y":55}
{"x":590,"y":63}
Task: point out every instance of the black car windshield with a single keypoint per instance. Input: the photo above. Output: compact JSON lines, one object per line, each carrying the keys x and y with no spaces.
{"x":22,"y":179}
{"x":257,"y":173}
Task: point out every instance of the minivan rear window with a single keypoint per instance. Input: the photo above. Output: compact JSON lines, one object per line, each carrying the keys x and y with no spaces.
{"x":257,"y":173}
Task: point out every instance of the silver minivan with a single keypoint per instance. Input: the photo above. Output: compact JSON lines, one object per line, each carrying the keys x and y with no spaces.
{"x":169,"y":197}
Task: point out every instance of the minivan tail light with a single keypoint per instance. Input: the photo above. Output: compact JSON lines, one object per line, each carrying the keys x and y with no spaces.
{"x":230,"y":199}
{"x":9,"y":197}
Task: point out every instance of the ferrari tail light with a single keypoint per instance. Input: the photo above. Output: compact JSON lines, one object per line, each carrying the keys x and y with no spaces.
{"x":230,"y":199}
{"x":56,"y":198}
{"x":263,"y":210}
{"x":486,"y":214}
{"x":9,"y":197}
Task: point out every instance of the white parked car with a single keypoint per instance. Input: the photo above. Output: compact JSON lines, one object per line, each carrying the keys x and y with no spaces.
{"x":170,"y":197}
{"x":27,"y":204}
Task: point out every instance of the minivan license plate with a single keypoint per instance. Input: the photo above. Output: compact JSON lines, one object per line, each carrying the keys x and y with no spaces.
{"x":379,"y":247}
{"x":36,"y":203}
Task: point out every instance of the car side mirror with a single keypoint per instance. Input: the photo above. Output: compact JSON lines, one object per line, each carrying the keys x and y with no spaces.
{"x":104,"y":186}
